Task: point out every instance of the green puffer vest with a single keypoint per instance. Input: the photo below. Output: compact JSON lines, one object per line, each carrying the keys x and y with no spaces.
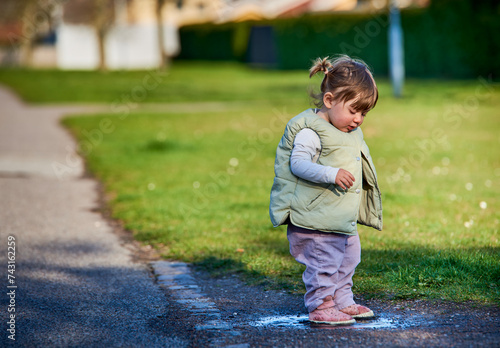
{"x":326,"y":207}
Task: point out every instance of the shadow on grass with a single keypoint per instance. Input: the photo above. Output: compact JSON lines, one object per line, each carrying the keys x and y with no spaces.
{"x":459,"y":274}
{"x":403,"y":273}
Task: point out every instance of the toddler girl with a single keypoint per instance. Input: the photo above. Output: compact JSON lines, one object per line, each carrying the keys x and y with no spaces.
{"x":325,"y":184}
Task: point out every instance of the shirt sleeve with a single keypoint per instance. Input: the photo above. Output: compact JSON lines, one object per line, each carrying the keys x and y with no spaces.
{"x":306,"y":147}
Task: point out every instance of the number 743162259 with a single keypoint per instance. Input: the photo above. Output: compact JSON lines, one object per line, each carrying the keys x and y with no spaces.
{"x":11,"y":260}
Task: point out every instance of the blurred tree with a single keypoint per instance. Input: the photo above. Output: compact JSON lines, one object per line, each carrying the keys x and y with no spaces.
{"x":29,"y":30}
{"x":24,"y":21}
{"x":103,"y":19}
{"x":98,"y":13}
{"x":161,"y":38}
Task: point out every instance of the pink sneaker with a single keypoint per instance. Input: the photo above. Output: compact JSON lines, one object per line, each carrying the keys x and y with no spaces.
{"x":326,"y":314}
{"x":357,"y":311}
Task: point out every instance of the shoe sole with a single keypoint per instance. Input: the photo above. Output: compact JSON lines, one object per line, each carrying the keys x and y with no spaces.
{"x":363,"y":315}
{"x":347,"y":322}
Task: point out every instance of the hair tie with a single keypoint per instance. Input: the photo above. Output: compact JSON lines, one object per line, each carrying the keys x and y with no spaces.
{"x":327,"y":71}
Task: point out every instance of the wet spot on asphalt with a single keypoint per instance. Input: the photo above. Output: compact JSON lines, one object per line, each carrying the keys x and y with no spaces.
{"x":302,"y":322}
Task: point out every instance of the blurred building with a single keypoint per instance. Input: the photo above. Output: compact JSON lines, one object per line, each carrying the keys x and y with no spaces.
{"x":125,"y":34}
{"x":129,"y":34}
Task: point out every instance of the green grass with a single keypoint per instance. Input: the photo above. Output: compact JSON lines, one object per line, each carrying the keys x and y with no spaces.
{"x":195,"y":185}
{"x":193,"y":82}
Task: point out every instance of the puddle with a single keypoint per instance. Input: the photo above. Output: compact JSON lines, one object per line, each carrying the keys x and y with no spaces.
{"x":304,"y":323}
{"x":283,"y":321}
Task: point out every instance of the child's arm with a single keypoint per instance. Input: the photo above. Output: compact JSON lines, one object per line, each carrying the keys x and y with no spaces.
{"x":306,"y":150}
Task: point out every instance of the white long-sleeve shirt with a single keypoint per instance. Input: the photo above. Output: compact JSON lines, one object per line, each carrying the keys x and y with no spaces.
{"x":305,"y":153}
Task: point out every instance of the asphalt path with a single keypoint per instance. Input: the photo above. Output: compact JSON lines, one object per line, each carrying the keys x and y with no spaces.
{"x":74,"y":282}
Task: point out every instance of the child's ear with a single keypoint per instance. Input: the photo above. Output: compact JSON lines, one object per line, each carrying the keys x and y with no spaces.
{"x":328,"y":100}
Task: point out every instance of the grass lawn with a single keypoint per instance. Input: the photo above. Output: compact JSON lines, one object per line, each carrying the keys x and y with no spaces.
{"x":187,"y":82}
{"x":195,"y":184}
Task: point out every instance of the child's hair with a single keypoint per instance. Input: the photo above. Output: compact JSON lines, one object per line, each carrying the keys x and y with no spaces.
{"x":346,"y":78}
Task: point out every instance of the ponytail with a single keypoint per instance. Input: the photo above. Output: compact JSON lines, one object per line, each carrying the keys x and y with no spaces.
{"x":319,"y":64}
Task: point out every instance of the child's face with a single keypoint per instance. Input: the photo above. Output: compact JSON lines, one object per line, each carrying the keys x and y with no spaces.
{"x":343,"y":116}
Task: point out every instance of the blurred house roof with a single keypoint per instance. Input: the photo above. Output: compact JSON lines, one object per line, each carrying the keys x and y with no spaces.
{"x":223,"y":11}
{"x":188,"y":12}
{"x":10,"y":33}
{"x":286,"y":8}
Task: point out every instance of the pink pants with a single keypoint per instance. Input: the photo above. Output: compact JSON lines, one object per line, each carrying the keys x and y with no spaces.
{"x":330,"y":260}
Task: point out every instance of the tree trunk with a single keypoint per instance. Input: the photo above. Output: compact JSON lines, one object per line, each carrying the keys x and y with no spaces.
{"x":102,"y":50}
{"x":29,"y":30}
{"x":101,"y":26}
{"x":159,"y":22}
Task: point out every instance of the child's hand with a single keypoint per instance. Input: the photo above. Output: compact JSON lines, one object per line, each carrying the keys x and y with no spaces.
{"x":344,"y":179}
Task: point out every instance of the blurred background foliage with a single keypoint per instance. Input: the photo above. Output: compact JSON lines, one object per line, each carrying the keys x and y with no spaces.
{"x":448,"y":39}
